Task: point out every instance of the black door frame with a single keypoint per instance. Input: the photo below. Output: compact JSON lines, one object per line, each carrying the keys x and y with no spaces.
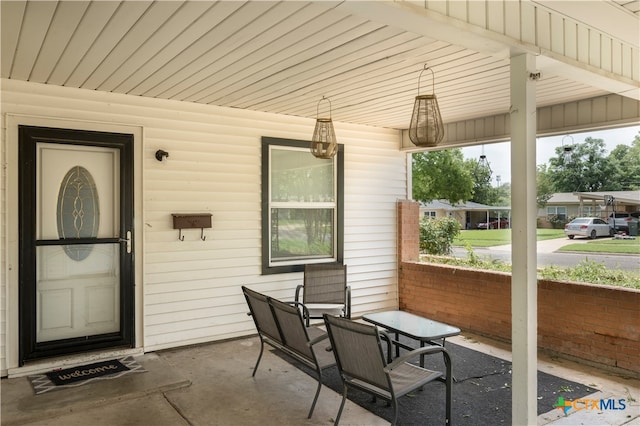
{"x":29,"y":136}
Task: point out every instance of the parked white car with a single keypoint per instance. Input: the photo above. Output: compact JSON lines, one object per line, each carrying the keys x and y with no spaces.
{"x":591,"y":227}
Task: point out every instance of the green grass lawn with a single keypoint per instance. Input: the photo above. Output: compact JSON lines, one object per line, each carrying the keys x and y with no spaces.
{"x":498,"y":237}
{"x":607,"y":245}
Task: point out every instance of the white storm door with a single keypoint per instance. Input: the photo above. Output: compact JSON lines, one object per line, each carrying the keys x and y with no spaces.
{"x":77,"y":271}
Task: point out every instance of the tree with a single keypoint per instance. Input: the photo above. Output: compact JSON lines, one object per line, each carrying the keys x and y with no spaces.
{"x":504,"y":194}
{"x":625,"y":166}
{"x":441,"y":175}
{"x":544,"y":186}
{"x":587,"y":170}
{"x":483,"y":192}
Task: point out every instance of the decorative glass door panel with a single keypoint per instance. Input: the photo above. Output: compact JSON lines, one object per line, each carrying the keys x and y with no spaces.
{"x":77,"y":285}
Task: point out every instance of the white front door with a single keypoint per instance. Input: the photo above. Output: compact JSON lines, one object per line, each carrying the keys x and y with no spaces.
{"x":76,"y":245}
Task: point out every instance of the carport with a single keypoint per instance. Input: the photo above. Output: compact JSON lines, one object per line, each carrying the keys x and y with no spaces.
{"x":621,"y":201}
{"x":468,"y":214}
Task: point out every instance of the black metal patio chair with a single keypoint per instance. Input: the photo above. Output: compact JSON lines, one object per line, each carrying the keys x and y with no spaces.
{"x":362,"y":365}
{"x":325,"y":291}
{"x":309,"y":345}
{"x":281,"y":325}
{"x":264,"y":321}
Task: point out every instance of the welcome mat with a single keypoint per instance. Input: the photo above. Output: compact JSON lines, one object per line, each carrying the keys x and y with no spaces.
{"x":81,"y":375}
{"x":481,"y":394}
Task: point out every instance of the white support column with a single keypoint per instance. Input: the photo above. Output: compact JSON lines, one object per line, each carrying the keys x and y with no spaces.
{"x":524,"y":295}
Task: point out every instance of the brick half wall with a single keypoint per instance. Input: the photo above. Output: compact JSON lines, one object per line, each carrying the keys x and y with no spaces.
{"x":597,"y":324}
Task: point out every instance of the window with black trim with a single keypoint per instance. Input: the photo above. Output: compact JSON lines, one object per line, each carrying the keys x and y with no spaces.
{"x":302,"y":206}
{"x":559,"y":211}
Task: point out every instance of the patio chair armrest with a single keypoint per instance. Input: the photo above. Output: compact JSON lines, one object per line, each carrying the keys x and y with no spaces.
{"x":317,"y":339}
{"x":347,"y":308}
{"x":298,"y":288}
{"x":427,"y":350}
{"x":305,"y":310}
{"x":385,"y":336}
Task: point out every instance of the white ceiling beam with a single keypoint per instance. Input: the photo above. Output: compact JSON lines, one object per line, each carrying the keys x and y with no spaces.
{"x":425,"y":22}
{"x":565,"y":46}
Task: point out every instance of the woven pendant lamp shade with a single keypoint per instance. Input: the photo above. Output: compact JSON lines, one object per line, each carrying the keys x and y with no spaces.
{"x":323,"y":142}
{"x":426,"y":128}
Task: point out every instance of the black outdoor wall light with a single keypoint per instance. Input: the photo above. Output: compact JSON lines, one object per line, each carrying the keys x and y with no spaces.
{"x":161,"y":154}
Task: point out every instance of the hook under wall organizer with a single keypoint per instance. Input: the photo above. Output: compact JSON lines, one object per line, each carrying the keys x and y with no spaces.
{"x":191,"y":221}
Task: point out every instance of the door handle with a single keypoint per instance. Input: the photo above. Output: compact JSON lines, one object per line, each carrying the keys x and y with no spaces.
{"x":127,"y":240}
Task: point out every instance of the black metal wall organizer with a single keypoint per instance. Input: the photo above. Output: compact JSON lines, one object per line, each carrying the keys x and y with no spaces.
{"x":191,"y":221}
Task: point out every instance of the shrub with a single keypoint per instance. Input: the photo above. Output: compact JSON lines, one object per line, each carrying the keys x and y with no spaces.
{"x":557,"y":221}
{"x":592,"y":272}
{"x":437,"y":234}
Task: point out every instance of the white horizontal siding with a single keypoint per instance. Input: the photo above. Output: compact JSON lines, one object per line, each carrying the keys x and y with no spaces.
{"x":191,"y":288}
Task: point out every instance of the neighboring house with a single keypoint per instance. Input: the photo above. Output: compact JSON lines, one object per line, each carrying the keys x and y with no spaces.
{"x":563,"y":206}
{"x":468,"y":214}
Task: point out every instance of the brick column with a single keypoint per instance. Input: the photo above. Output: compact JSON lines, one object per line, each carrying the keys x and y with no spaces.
{"x":408,"y":231}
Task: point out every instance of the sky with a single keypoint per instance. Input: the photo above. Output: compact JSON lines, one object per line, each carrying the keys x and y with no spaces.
{"x":499,"y":154}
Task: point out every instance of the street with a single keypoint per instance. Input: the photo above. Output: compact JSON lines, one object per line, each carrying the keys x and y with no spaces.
{"x":548,"y":256}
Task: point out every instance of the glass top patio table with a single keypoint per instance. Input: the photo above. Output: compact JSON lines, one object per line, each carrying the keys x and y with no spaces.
{"x":413,"y":326}
{"x":425,"y":330}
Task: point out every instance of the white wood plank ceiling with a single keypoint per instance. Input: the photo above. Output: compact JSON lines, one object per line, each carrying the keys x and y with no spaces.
{"x":278,"y":57}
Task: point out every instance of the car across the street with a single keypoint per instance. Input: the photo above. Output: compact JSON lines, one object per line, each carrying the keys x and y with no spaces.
{"x":494,"y":224}
{"x":591,"y":227}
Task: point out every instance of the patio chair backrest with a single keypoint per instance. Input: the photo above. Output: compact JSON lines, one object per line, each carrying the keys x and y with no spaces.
{"x":325,"y":283}
{"x":358,"y":351}
{"x":361,"y":361}
{"x":292,"y":328}
{"x":262,"y":315}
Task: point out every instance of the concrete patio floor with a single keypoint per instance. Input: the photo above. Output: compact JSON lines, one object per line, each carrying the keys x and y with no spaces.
{"x":211,"y":384}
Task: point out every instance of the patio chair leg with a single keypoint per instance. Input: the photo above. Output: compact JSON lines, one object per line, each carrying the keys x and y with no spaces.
{"x":395,"y":411}
{"x":344,"y":398}
{"x":315,"y":399}
{"x":448,"y":386}
{"x":259,"y":357}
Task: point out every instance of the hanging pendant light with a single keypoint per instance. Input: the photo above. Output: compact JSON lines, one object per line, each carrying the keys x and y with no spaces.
{"x":567,"y":150}
{"x":426,"y":128}
{"x":323,"y":142}
{"x":483,"y":162}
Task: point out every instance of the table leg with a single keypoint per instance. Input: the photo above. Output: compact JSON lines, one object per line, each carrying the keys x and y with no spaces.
{"x":397,"y":346}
